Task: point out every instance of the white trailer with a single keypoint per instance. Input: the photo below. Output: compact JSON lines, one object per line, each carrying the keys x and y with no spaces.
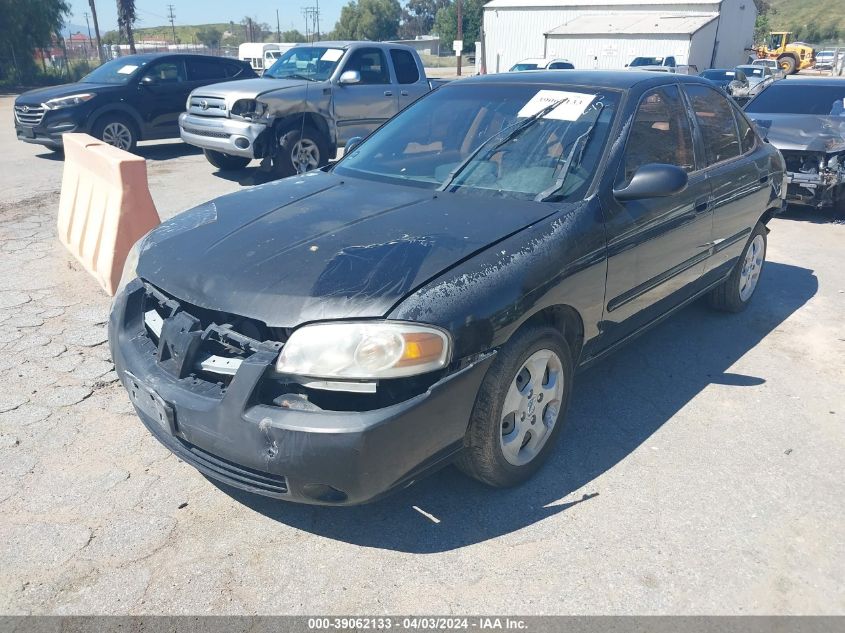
{"x":262,"y":55}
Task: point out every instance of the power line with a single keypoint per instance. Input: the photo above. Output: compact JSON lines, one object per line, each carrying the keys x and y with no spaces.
{"x":171,"y":15}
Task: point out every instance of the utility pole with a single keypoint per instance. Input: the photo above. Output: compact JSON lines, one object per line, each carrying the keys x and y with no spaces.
{"x":88,"y":43}
{"x":97,"y":31}
{"x":172,"y":16}
{"x":278,"y":30}
{"x":317,"y":17}
{"x":460,"y":34}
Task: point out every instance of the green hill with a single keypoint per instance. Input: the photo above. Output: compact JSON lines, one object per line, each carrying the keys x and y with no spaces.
{"x":233,"y":33}
{"x":814,"y":21}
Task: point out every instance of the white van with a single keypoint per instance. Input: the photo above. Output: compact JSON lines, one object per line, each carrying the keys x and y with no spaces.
{"x":262,"y":55}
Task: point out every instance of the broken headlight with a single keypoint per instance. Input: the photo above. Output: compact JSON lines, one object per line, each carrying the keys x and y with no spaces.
{"x":365,"y":350}
{"x":249,"y":109}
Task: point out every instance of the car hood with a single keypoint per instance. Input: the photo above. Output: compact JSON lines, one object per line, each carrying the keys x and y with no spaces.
{"x":40,"y":95}
{"x":803,"y":132}
{"x":247,"y":88}
{"x":321,"y":247}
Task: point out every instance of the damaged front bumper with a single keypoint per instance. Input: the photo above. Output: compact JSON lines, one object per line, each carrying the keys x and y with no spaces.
{"x":229,"y":136}
{"x":231,"y":433}
{"x":813,"y":180}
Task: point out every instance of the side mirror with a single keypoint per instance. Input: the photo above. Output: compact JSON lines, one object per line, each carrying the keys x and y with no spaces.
{"x":655,"y":180}
{"x":351,"y":144}
{"x":349,"y":77}
{"x":149,"y":80}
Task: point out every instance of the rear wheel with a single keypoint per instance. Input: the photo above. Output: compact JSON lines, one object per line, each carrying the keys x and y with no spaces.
{"x":225,"y":162}
{"x":734,"y":294}
{"x":301,"y":149}
{"x":520,"y":408}
{"x":788,"y":65}
{"x":117,"y":130}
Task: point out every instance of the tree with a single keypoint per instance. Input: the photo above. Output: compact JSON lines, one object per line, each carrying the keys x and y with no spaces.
{"x":446,"y":23}
{"x":25,"y":26}
{"x":126,"y":17}
{"x":211,"y":37}
{"x":292,"y":37}
{"x":418,"y":17}
{"x":369,"y":20}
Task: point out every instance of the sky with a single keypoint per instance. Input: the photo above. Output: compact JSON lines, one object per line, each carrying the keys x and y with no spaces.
{"x":154,"y":12}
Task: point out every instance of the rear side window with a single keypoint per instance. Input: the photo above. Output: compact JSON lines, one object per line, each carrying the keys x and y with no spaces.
{"x":660,"y":133}
{"x":747,"y":139}
{"x":405,"y":66}
{"x":235,"y":70}
{"x":714,"y":114}
{"x":203,"y":69}
{"x":561,"y":66}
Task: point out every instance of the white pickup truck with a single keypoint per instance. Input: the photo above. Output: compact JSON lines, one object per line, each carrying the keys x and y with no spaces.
{"x":310,"y":102}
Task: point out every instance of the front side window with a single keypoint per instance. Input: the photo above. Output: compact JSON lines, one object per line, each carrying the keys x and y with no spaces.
{"x":715,"y":118}
{"x":497,"y":141}
{"x":371,"y":64}
{"x":405,"y":66}
{"x":660,"y":133}
{"x":312,"y":63}
{"x":169,"y":72}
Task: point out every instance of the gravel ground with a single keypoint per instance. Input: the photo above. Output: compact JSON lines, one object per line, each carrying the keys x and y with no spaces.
{"x":701,"y":471}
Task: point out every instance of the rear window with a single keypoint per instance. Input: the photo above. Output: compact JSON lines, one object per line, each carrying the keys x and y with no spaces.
{"x":783,"y":98}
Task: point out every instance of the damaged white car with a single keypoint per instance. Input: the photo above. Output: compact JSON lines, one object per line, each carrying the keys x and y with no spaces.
{"x":805,"y":119}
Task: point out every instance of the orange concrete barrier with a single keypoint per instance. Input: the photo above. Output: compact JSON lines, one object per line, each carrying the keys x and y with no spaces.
{"x":105,"y":206}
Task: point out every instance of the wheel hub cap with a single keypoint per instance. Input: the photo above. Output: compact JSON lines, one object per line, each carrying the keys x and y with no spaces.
{"x":305,"y":155}
{"x":752,"y":265}
{"x":531,"y":407}
{"x":117,"y":134}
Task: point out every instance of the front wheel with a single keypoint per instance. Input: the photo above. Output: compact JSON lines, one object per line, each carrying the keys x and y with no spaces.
{"x":734,"y":294}
{"x":788,"y":65}
{"x":301,"y":149}
{"x":116,"y":130}
{"x":520,"y":408}
{"x":225,"y":162}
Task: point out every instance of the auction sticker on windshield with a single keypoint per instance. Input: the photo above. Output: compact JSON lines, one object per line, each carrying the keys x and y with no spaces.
{"x":127,"y":70}
{"x":332,"y":55}
{"x":572,"y":104}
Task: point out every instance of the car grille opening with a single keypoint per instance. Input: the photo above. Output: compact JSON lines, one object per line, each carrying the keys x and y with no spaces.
{"x":208,"y":133}
{"x":29,"y":116}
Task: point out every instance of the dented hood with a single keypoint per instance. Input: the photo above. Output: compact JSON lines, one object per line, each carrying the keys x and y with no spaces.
{"x":321,"y":247}
{"x":247,"y":88}
{"x":804,"y":132}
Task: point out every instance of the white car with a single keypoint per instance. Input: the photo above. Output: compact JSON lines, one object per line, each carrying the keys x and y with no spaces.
{"x":540,"y":63}
{"x":777,"y":72}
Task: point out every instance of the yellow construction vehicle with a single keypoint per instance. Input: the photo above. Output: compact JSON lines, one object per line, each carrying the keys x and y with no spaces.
{"x":791,"y":56}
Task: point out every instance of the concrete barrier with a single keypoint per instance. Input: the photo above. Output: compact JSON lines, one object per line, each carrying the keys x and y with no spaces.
{"x":105,"y":206}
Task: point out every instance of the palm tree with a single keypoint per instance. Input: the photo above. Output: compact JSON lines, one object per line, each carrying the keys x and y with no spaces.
{"x":125,"y":19}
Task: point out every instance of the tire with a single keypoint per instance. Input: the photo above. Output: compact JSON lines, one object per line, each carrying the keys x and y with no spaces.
{"x":117,"y":130}
{"x":734,"y":294}
{"x":492,"y":427}
{"x":305,"y":142}
{"x":787,"y":63}
{"x":225,"y":162}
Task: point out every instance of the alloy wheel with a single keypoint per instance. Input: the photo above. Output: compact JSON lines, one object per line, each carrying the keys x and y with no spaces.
{"x":305,"y":155}
{"x":752,"y":265}
{"x":118,"y":134}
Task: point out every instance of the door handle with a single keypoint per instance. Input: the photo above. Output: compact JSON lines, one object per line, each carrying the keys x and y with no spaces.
{"x":701,"y":206}
{"x":388,"y":93}
{"x":764,"y":179}
{"x":404,"y":93}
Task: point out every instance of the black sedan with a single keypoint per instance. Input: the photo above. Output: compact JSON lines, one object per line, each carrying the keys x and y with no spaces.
{"x":336,"y":335}
{"x":805,"y":119}
{"x":132,"y":98}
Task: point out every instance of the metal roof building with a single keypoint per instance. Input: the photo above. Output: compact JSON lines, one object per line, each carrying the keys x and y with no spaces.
{"x":608,"y":34}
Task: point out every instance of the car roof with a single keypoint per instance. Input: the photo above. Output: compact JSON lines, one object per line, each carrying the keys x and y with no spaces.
{"x":618,"y":79}
{"x":813,"y":81}
{"x":152,"y":56}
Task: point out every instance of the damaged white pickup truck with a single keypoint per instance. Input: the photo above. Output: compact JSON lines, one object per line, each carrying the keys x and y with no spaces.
{"x":805,"y":119}
{"x":310,"y":102}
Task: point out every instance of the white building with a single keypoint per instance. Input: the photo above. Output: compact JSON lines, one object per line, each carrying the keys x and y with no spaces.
{"x":608,"y":34}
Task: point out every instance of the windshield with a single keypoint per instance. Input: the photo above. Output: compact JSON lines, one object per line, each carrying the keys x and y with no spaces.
{"x":523,"y":66}
{"x":751,"y":71}
{"x":647,"y":61}
{"x":496,"y":141}
{"x":117,"y":71}
{"x":315,"y":63}
{"x":782,"y":98}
